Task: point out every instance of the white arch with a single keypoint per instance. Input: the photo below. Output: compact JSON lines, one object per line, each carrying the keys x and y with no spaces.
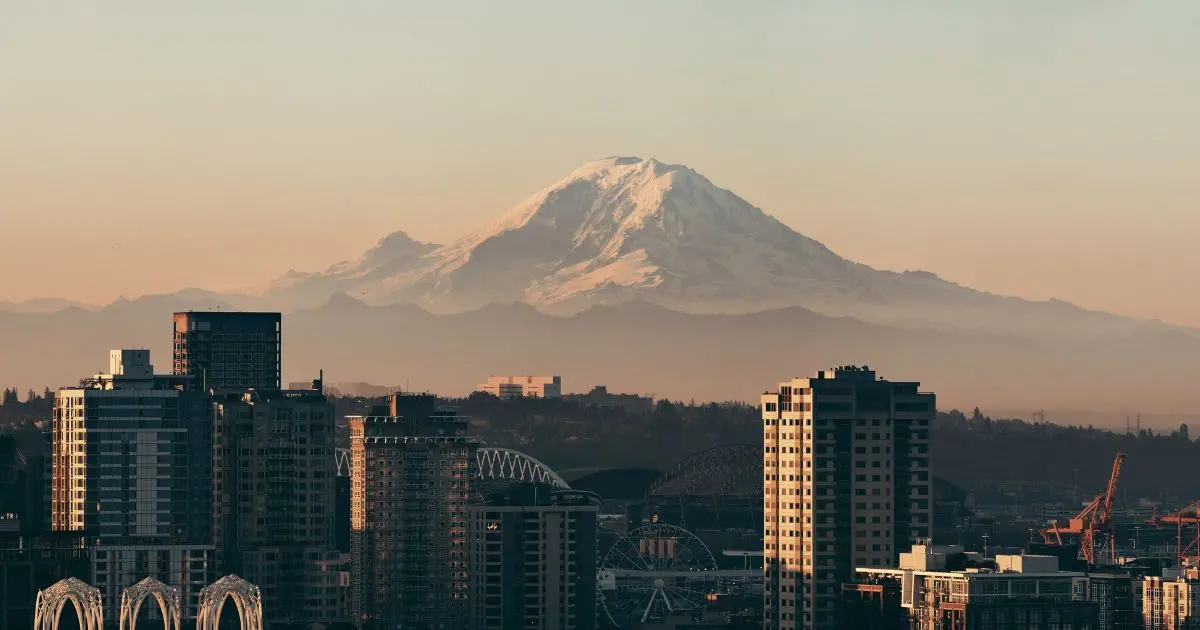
{"x":341,"y":461}
{"x":84,"y":597}
{"x":246,"y":598}
{"x":168,"y":599}
{"x":505,"y":463}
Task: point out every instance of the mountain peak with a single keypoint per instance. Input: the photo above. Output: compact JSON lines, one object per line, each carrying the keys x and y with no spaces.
{"x":622,"y":169}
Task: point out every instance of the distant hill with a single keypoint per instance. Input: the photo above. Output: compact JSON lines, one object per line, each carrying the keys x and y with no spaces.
{"x":637,"y":347}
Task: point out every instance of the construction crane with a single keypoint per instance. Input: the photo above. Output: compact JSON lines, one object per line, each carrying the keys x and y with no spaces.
{"x":1189,"y":516}
{"x":1094,"y":519}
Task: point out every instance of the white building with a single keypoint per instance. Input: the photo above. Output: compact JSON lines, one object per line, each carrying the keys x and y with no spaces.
{"x":1171,"y":602}
{"x":1008,"y":591}
{"x":847,"y":484}
{"x":508,"y":387}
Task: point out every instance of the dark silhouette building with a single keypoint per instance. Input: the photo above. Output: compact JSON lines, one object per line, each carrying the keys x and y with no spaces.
{"x":29,"y":563}
{"x":273,"y":496}
{"x":229,"y":350}
{"x":532,"y":560}
{"x":413,"y":477}
{"x":873,"y":606}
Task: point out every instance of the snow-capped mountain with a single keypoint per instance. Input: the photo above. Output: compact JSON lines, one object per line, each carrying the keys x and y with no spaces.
{"x":626,"y":228}
{"x":613,"y":230}
{"x":621,"y":229}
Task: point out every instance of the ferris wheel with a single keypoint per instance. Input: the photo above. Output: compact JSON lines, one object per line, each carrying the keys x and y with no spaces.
{"x":653,"y":571}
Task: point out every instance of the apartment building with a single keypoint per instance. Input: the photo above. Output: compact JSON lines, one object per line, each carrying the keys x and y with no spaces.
{"x":413,"y":476}
{"x":123,"y":458}
{"x":1008,"y":591}
{"x":847,"y":483}
{"x":229,"y":350}
{"x":273,"y":500}
{"x":1172,"y":601}
{"x":532,"y":556}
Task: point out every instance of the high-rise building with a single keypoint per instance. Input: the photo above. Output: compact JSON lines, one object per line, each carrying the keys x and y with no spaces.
{"x":273,"y":496}
{"x":413,"y":475}
{"x":508,"y":387}
{"x":229,"y":350}
{"x":847,"y":483}
{"x":122,"y":466}
{"x":532,"y":559}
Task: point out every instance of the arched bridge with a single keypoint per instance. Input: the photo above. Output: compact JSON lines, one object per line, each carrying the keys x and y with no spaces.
{"x":492,"y":462}
{"x":506,"y":464}
{"x":734,"y":469}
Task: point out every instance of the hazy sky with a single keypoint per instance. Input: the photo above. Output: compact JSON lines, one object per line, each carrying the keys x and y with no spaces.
{"x":1032,"y":147}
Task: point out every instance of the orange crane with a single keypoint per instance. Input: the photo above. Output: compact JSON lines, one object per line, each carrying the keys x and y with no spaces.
{"x":1188,"y":516}
{"x":1093,"y":519}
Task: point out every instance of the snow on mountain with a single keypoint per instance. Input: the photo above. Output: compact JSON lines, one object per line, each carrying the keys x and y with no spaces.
{"x":394,"y":254}
{"x":613,"y":230}
{"x":626,"y":228}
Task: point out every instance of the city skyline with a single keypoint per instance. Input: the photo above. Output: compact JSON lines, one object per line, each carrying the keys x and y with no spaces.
{"x":1037,"y":177}
{"x":481,"y":315}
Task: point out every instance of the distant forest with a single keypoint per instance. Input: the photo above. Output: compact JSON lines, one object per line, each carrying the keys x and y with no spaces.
{"x":971,"y":451}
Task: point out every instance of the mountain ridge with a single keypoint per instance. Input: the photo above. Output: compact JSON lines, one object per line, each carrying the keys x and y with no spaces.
{"x":625,"y":228}
{"x":638,"y":346}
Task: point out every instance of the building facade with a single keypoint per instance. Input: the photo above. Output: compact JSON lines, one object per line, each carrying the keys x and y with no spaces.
{"x":413,"y":476}
{"x":1171,"y":602}
{"x":847,"y":483}
{"x":229,"y":350}
{"x":29,"y":563}
{"x":115,"y":568}
{"x":273,"y":500}
{"x":1007,"y":592}
{"x":122,"y":466}
{"x":509,"y":387}
{"x":532,"y":559}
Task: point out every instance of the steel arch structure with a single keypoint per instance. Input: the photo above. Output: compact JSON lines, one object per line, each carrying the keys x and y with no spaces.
{"x":83,"y":596}
{"x":505,"y":463}
{"x":729,"y":469}
{"x":341,"y":461}
{"x":246,"y":598}
{"x":169,"y":604}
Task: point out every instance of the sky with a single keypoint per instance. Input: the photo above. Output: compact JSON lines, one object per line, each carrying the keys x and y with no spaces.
{"x":1033,"y":148}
